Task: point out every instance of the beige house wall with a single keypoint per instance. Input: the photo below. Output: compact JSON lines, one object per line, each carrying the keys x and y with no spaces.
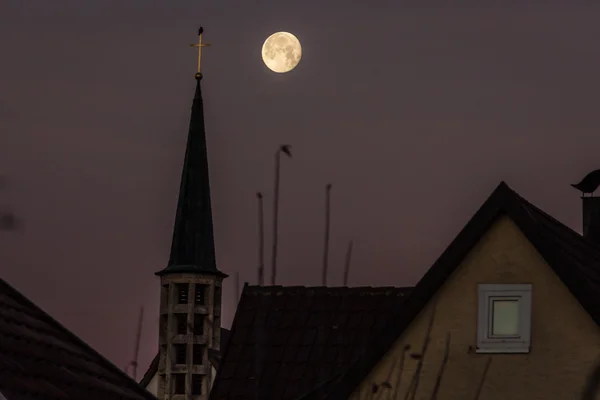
{"x":565,"y":341}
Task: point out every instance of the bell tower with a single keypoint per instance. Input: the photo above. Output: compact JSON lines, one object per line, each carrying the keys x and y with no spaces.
{"x":190,"y":299}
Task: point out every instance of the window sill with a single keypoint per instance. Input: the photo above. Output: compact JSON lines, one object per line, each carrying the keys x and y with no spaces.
{"x":502,"y":350}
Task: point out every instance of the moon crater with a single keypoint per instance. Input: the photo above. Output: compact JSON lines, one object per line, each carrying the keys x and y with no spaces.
{"x":281,"y":52}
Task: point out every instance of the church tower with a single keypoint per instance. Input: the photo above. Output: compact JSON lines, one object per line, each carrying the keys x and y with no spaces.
{"x":190,"y":299}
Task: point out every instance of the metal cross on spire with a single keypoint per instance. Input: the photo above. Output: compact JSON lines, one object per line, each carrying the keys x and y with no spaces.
{"x":199,"y":45}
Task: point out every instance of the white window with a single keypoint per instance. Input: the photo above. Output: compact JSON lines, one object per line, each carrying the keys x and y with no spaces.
{"x":504,"y":319}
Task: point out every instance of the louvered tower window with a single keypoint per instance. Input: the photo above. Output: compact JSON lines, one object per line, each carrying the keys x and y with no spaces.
{"x":178,"y":383}
{"x":182,"y":293}
{"x":200,"y":295}
{"x":197,"y":384}
{"x":198,"y":324}
{"x":180,"y":353}
{"x":181,"y":324}
{"x":198,"y":354}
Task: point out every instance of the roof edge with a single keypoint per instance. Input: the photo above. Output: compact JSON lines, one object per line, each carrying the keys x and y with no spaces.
{"x":224,"y":353}
{"x":189,"y":269}
{"x":151,"y":371}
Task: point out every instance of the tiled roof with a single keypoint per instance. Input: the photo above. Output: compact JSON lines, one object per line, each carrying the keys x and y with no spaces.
{"x":214,"y":356}
{"x":574,"y":259}
{"x":286,"y":341}
{"x":40,"y":359}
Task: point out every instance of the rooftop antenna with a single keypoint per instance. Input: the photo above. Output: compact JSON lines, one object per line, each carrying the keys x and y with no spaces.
{"x":261,"y":240}
{"x":134,"y":362}
{"x":237,"y":287}
{"x":347,"y":263}
{"x":285,"y":149}
{"x":8,"y":219}
{"x":327,"y":227}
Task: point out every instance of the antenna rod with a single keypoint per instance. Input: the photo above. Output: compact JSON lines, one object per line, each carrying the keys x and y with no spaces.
{"x":275,"y":218}
{"x":261,"y":240}
{"x":287,"y":151}
{"x":347,"y":265}
{"x":134,"y":363}
{"x":8,"y":219}
{"x":237,"y":287}
{"x":327,"y":223}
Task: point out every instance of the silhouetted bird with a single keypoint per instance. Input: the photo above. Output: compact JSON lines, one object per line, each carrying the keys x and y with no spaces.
{"x":590,"y":183}
{"x":287,"y":149}
{"x":8,"y":221}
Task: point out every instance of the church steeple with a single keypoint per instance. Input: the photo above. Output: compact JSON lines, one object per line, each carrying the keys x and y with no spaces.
{"x":192,"y":247}
{"x":191,"y":284}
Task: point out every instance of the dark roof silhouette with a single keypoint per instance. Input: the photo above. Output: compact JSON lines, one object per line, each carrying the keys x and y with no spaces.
{"x":589,"y":183}
{"x":214,"y":357}
{"x":41,"y":359}
{"x":193,"y":247}
{"x":308,"y":337}
{"x":316,"y":346}
{"x":574,"y":259}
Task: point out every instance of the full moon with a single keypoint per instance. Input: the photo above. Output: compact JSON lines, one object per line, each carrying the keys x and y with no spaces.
{"x":281,"y":52}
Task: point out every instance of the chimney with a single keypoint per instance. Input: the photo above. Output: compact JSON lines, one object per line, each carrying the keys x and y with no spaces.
{"x":591,"y":218}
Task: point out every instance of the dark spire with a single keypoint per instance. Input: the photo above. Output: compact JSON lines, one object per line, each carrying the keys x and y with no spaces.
{"x":193,"y":248}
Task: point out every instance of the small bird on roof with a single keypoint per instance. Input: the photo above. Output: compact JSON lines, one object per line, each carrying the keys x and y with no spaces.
{"x":590,"y":183}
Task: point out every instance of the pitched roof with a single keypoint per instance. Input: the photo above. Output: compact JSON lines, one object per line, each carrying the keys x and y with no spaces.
{"x":574,"y":259}
{"x":214,"y":357}
{"x":193,"y":247}
{"x":307,"y":337}
{"x":41,"y":359}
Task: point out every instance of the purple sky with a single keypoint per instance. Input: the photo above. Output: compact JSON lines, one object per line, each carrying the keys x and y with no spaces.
{"x":414,"y":113}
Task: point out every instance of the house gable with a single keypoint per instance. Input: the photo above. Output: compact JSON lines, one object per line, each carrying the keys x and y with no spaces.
{"x":565,"y":339}
{"x":574,"y":259}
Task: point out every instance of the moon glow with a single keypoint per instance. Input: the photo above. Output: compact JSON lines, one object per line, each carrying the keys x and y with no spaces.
{"x":281,"y":52}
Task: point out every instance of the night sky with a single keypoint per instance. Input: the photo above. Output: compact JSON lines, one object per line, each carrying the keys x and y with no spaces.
{"x":414,"y":110}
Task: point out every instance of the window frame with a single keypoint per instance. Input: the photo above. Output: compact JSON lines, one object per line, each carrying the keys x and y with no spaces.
{"x":486,"y":342}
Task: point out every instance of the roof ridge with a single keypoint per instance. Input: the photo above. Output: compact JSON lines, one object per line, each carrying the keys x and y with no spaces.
{"x":277,"y":287}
